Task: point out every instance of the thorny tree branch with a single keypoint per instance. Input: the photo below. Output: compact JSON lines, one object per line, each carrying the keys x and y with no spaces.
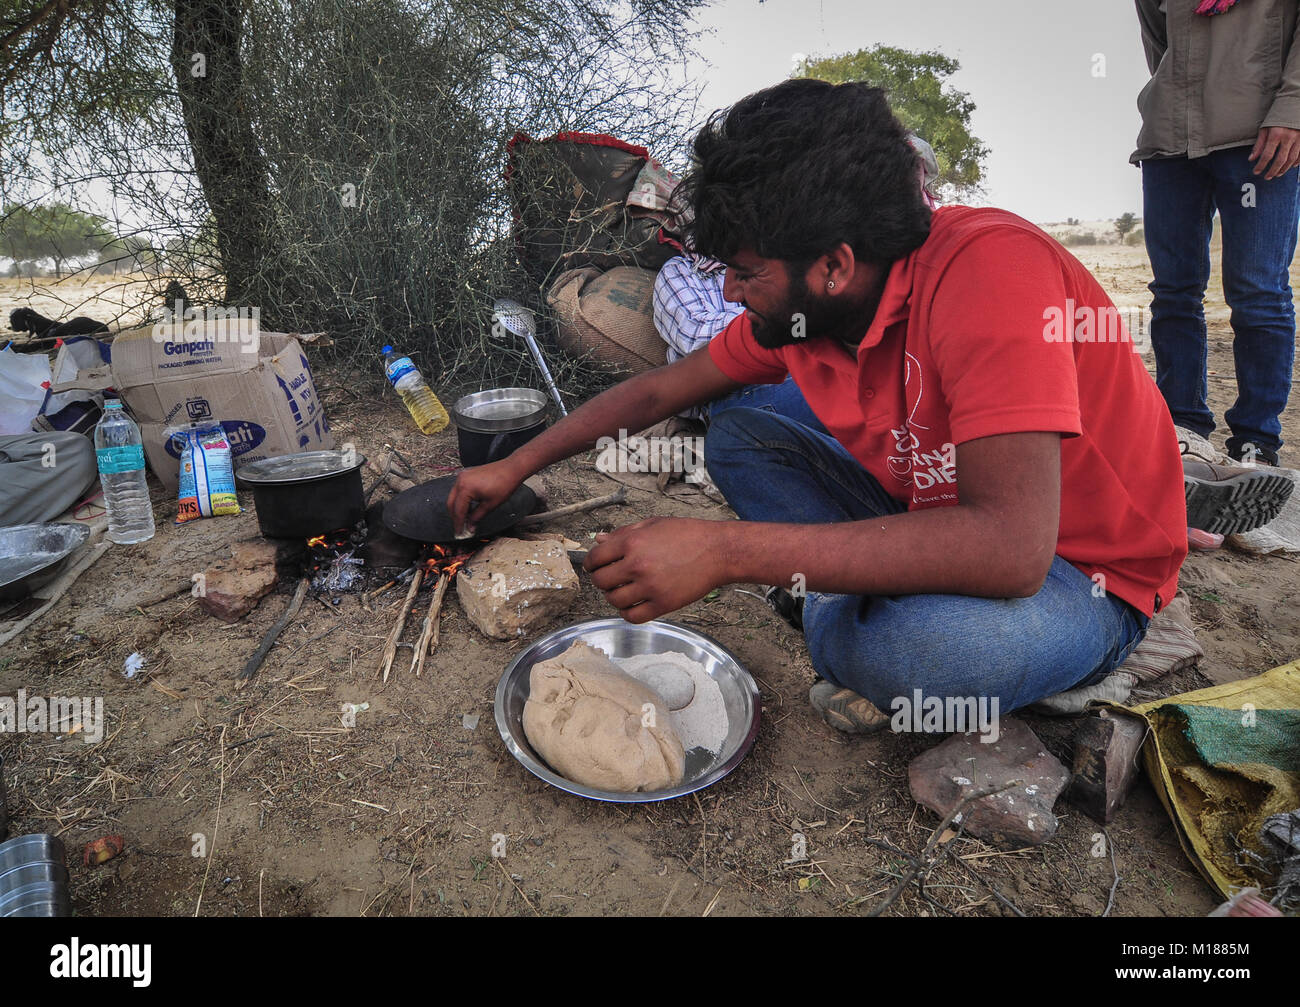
{"x":926,"y":862}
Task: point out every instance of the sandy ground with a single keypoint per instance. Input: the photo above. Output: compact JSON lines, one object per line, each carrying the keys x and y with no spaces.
{"x":399,"y":816}
{"x":119,"y":301}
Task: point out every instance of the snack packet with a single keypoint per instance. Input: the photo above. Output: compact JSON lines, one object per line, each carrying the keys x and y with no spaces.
{"x":207,"y":475}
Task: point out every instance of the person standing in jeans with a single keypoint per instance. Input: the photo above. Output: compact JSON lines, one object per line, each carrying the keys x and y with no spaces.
{"x":1221,"y":130}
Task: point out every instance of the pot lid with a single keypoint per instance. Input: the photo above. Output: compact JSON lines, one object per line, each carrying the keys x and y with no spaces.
{"x":306,"y":466}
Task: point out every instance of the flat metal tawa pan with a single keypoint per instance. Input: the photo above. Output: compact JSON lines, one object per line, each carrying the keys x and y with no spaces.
{"x":420,"y":513}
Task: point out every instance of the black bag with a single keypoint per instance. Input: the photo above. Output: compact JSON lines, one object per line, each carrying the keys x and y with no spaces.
{"x":570,"y":196}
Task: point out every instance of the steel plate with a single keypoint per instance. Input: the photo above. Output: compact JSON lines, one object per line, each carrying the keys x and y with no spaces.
{"x":306,"y":466}
{"x":619,"y":638}
{"x":32,"y":555}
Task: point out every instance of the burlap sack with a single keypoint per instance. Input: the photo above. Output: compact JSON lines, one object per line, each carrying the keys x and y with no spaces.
{"x":608,"y":317}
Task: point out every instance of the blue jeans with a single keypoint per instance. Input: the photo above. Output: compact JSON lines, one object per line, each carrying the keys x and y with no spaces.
{"x":1019,"y":650}
{"x":785,"y":399}
{"x":1180,"y":196}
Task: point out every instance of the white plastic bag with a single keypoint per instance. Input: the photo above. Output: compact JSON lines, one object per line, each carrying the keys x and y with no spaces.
{"x":23,"y":381}
{"x":78,"y":353}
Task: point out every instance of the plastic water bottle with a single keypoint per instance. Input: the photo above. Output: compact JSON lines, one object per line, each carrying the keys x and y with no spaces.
{"x":119,"y":451}
{"x":423,"y":405}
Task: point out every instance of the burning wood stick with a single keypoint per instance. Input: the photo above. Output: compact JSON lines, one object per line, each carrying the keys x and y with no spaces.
{"x":396,"y":580}
{"x":618,"y":497}
{"x":395,"y":634}
{"x":428,"y":641}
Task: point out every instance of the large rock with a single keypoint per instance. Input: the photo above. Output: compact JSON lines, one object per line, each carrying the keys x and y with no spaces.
{"x":230,"y":589}
{"x":509,"y":587}
{"x":962,"y":765}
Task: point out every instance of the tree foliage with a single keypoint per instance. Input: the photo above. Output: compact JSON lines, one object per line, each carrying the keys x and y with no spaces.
{"x":922,"y":98}
{"x":338,"y":163}
{"x":1124,"y":224}
{"x":55,"y":231}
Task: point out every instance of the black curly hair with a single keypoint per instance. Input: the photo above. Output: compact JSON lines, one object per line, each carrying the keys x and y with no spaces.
{"x":793,"y":170}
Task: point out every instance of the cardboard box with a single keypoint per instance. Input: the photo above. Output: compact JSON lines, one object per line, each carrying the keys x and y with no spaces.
{"x":257,"y":384}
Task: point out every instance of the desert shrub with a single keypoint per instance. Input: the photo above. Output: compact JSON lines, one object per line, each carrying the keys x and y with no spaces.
{"x":347,"y":156}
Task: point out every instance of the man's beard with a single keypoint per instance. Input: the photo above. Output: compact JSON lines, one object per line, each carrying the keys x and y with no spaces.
{"x":823,"y":317}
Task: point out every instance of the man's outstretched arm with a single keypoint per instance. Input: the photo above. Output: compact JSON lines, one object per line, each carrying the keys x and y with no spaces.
{"x":631,"y":405}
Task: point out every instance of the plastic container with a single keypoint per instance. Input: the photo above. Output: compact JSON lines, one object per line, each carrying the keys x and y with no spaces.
{"x":119,"y":452}
{"x":423,"y":405}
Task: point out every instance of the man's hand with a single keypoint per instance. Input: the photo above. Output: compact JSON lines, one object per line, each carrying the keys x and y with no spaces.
{"x":1276,"y":151}
{"x":656,"y":566}
{"x":478,"y":491}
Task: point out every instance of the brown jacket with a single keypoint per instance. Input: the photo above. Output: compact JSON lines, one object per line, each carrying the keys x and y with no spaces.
{"x":1216,"y":81}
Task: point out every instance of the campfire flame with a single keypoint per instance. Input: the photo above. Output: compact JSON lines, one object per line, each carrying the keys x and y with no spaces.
{"x":445,"y":563}
{"x":333,"y":541}
{"x":330,"y":562}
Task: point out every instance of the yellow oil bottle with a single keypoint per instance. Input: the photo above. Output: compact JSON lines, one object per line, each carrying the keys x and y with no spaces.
{"x":429,"y":414}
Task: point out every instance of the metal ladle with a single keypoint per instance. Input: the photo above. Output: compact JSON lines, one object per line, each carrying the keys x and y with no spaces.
{"x":520,"y":320}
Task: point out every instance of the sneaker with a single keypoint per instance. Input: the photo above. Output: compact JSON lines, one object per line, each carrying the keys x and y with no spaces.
{"x":786,"y":605}
{"x":845,"y":710}
{"x":1226,"y":499}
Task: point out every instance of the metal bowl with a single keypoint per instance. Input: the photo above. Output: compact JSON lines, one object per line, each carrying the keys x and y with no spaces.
{"x":618,"y":638}
{"x":499,"y":410}
{"x":33,"y":878}
{"x":32,"y":555}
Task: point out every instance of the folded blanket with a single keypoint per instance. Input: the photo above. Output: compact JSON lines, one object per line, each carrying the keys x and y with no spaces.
{"x":1170,"y":645}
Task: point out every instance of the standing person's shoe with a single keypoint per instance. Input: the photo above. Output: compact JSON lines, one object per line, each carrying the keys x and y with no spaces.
{"x":1226,"y":499}
{"x":845,"y":710}
{"x":1251,"y":454}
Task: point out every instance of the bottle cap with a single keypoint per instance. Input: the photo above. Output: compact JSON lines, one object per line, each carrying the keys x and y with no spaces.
{"x":112,"y":403}
{"x":386,"y":350}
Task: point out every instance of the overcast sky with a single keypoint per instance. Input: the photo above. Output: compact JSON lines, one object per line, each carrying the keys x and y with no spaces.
{"x":1059,"y":137}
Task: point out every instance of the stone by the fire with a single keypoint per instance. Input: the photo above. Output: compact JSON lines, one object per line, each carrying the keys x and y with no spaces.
{"x":230,"y":589}
{"x":383,"y":547}
{"x":510,"y":587}
{"x":963,"y":764}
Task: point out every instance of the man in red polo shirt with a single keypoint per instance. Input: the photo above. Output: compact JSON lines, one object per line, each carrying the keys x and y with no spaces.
{"x":998,"y":508}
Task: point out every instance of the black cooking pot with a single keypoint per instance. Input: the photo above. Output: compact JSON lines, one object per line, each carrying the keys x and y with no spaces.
{"x":492,"y":423}
{"x":303,"y":495}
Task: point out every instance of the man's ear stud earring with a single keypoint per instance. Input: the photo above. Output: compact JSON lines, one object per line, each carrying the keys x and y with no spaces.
{"x":830,"y":284}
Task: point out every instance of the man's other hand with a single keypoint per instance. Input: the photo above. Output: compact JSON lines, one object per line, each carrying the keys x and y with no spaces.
{"x":1276,"y":151}
{"x":657,"y":566}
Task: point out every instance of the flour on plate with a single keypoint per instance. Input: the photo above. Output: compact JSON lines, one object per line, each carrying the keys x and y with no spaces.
{"x":702,"y":723}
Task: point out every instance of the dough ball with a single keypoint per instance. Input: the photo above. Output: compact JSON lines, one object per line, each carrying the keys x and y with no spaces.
{"x":588,"y":720}
{"x":662,"y":675}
